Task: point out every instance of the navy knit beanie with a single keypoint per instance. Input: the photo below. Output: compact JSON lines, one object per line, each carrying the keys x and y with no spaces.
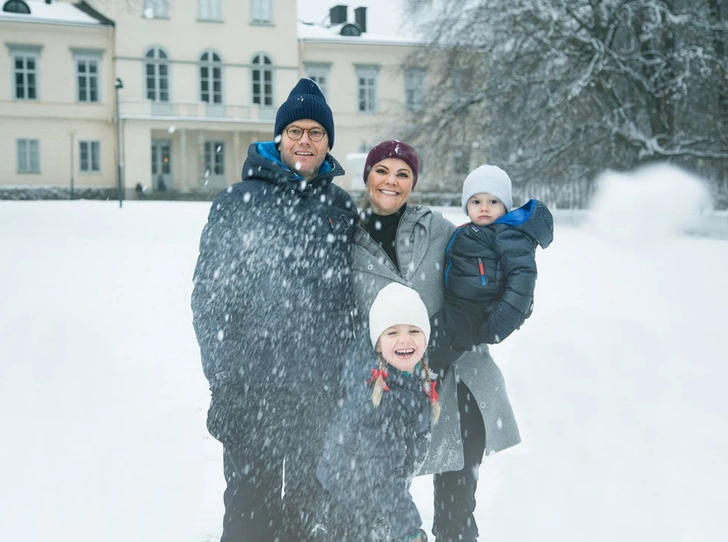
{"x":393,"y":149}
{"x":306,"y":101}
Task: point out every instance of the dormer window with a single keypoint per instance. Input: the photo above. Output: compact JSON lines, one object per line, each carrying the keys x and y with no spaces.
{"x":350,"y":29}
{"x":16,"y":6}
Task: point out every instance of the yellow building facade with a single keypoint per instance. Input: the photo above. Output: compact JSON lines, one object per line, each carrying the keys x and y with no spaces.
{"x":196,"y":82}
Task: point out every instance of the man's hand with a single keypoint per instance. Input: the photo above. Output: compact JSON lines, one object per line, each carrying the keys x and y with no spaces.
{"x":227,"y":410}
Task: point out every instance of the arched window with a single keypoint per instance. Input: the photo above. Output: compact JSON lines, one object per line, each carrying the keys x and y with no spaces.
{"x":16,"y":6}
{"x":262,"y":90}
{"x":156,"y":70}
{"x":210,"y":78}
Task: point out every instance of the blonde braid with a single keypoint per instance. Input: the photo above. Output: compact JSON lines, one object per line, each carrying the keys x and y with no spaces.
{"x":379,"y":382}
{"x":435,"y":404}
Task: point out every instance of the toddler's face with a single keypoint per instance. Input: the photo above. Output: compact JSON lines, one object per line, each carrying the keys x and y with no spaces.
{"x":402,"y":346}
{"x":484,"y":209}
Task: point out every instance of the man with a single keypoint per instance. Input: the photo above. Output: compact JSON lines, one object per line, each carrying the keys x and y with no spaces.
{"x":271,"y":308}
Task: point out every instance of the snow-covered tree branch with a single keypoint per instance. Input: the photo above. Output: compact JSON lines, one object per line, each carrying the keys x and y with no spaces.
{"x":556,"y":91}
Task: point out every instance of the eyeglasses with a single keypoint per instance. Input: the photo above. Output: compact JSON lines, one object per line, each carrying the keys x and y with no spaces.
{"x":314,"y":134}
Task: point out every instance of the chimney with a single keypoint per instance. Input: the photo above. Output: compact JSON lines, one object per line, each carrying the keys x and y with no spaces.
{"x":337,"y":15}
{"x":360,"y":18}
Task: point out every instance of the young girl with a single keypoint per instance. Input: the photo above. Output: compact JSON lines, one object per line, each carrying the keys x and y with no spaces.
{"x":380,"y":436}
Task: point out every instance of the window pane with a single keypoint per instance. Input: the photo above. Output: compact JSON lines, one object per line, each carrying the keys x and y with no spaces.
{"x":94,"y":91}
{"x":95,"y":165}
{"x":83,"y":156}
{"x":34,"y":149}
{"x":21,"y":155}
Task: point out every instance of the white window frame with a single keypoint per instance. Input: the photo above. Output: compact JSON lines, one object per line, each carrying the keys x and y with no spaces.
{"x":27,"y":153}
{"x":156,"y":9}
{"x":88,"y":82}
{"x":209,"y":10}
{"x":320,"y":73}
{"x":24,"y":77}
{"x":414,"y":88}
{"x":261,"y":80}
{"x":214,"y":158}
{"x":366,"y":88}
{"x":261,"y":11}
{"x":213,"y":64}
{"x":89,"y":156}
{"x":157,"y":58}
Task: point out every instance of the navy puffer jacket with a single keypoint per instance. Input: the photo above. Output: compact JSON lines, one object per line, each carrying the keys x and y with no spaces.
{"x":372,"y":453}
{"x":491,"y":265}
{"x":271,"y":288}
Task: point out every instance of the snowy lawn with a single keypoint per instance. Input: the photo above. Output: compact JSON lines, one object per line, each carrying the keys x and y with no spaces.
{"x":618,"y":380}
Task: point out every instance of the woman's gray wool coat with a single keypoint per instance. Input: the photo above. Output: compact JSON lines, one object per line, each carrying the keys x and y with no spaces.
{"x":421,"y":239}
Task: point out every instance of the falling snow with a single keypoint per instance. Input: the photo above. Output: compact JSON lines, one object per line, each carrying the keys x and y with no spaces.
{"x":617,"y":380}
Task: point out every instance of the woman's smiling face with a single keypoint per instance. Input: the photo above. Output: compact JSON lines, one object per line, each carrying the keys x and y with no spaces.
{"x":389,"y":184}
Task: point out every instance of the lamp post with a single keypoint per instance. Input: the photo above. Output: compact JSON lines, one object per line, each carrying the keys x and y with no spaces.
{"x":118,"y":85}
{"x":71,"y":156}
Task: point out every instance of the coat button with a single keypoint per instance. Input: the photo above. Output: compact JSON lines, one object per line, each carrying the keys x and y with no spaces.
{"x":370,"y":267}
{"x":482,"y":404}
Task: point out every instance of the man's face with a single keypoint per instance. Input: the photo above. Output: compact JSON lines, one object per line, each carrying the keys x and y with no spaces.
{"x":304,"y":156}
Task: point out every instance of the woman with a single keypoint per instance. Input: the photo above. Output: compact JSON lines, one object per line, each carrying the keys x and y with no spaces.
{"x":405,"y":243}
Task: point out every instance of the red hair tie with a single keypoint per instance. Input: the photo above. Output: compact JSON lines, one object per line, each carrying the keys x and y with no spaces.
{"x":376,"y":373}
{"x":432,"y":394}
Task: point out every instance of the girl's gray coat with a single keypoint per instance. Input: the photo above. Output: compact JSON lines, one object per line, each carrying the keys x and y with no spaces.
{"x":421,"y":239}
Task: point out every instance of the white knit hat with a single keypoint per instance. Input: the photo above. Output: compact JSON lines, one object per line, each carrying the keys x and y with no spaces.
{"x":489,"y":180}
{"x":397,"y":304}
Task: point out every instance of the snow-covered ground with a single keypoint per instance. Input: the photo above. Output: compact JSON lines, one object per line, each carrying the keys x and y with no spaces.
{"x":618,"y":380}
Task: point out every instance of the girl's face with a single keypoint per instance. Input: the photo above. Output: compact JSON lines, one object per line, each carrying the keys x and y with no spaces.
{"x":389,"y":184}
{"x":484,"y":209}
{"x":402,"y":346}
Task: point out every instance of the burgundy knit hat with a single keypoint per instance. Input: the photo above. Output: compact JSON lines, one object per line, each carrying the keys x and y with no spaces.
{"x":393,"y":149}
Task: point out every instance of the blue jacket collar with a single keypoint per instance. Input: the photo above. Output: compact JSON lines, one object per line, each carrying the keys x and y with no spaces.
{"x":269,"y":151}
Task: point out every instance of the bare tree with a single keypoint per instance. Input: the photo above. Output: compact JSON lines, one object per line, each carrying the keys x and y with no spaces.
{"x":556,"y":91}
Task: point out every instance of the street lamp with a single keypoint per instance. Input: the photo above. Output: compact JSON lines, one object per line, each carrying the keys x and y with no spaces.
{"x":118,"y":85}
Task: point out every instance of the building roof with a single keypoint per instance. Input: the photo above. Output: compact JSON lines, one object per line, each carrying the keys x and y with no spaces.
{"x":332,"y":33}
{"x":55,"y":13}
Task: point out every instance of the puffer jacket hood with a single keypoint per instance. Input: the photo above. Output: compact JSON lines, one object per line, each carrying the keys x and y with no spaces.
{"x":534,"y":219}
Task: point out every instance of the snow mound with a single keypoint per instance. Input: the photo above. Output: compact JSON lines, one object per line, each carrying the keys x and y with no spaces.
{"x":647,"y":205}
